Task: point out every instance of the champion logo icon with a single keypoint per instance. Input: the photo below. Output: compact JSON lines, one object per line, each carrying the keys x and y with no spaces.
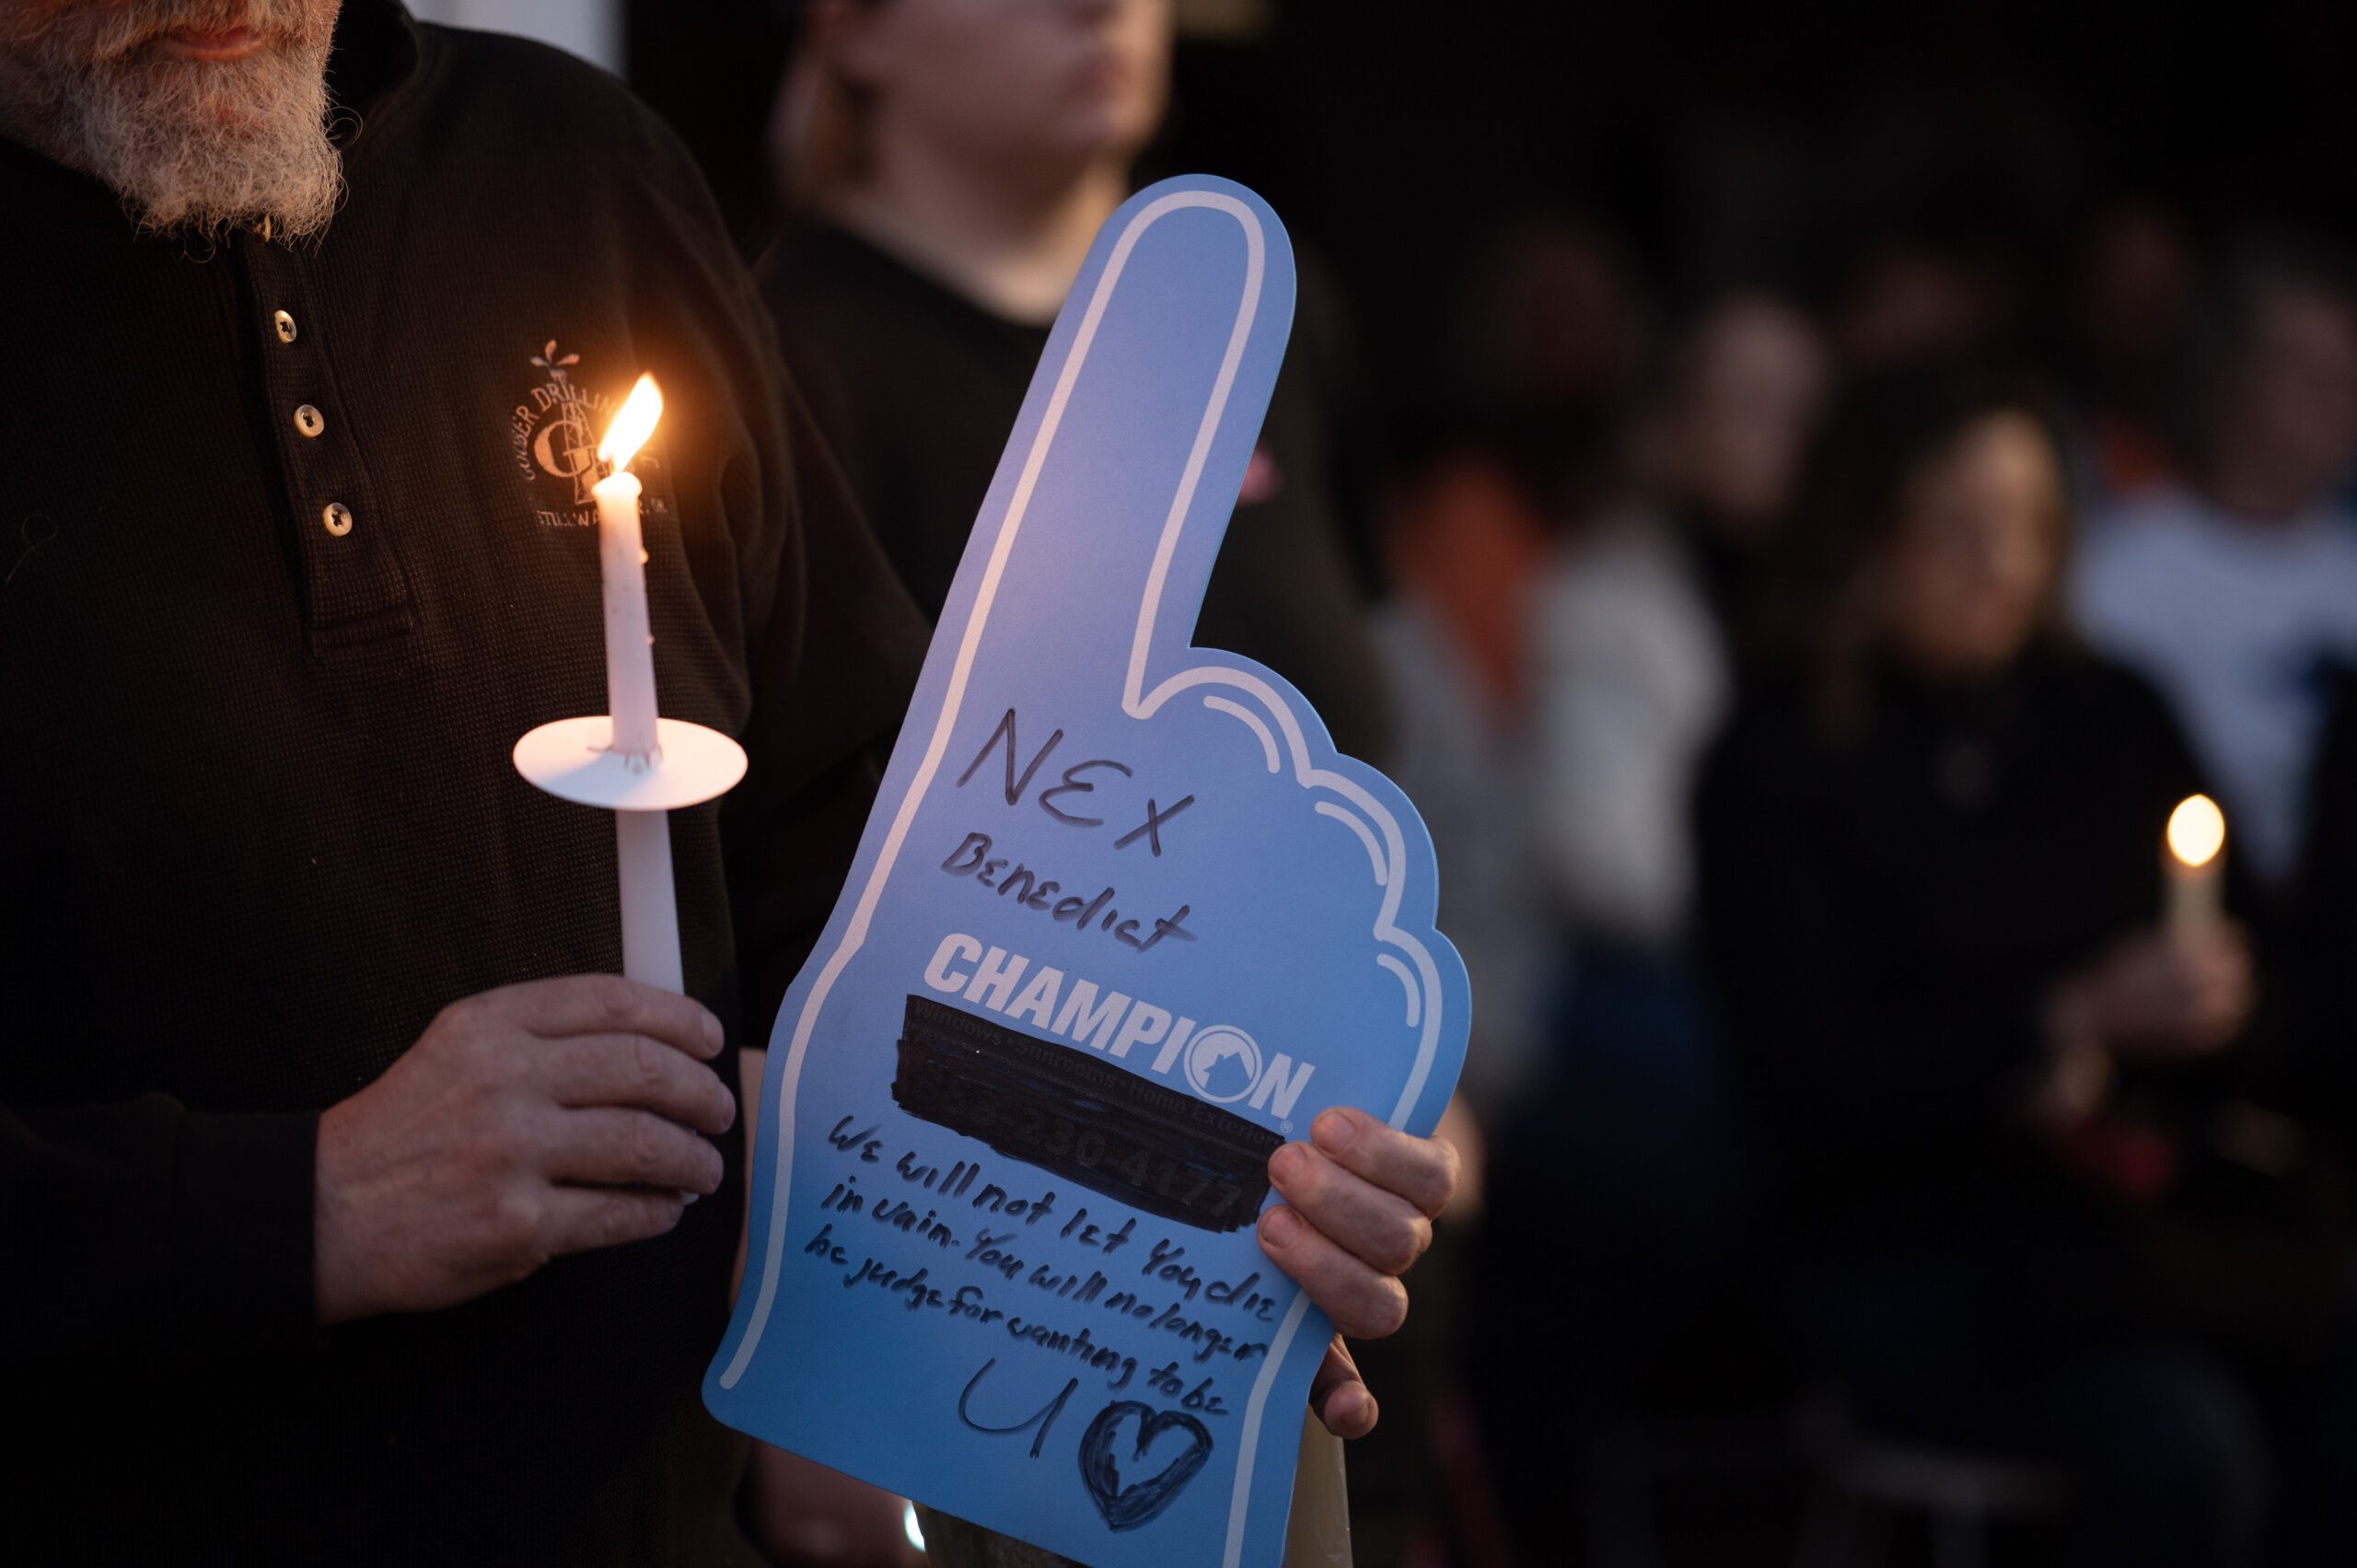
{"x":1222,"y":1063}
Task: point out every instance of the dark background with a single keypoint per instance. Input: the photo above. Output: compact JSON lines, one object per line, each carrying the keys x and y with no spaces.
{"x":1726,"y":144}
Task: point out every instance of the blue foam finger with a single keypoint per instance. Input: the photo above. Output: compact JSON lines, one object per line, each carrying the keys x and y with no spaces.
{"x":1122,"y":922}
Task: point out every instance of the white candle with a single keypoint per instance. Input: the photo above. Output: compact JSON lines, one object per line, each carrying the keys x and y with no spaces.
{"x":622,"y":555}
{"x":2197,"y":833}
{"x":650,"y":904}
{"x":642,"y":839}
{"x":617,"y":760}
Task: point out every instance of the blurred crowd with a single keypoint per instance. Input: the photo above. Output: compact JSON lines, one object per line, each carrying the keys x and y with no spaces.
{"x":1798,"y":673}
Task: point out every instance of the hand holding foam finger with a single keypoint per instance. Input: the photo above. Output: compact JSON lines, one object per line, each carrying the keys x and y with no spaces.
{"x":1362,"y":1302}
{"x":1344,"y":1404}
{"x":1422,"y":1172}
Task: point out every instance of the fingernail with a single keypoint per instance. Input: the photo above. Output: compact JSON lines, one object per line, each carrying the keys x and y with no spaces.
{"x":1286,"y":1163}
{"x":1280,"y":1225}
{"x":689,"y":1194}
{"x":1334,"y":1129}
{"x":713,"y":1038}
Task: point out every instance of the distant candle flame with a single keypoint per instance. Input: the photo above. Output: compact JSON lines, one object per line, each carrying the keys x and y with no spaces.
{"x":632,"y":425}
{"x":2196,"y":831}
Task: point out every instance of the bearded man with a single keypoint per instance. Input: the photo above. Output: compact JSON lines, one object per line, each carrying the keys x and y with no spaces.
{"x":347,"y":1194}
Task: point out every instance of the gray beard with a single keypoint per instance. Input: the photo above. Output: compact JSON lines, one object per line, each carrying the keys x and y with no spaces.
{"x":152,"y":127}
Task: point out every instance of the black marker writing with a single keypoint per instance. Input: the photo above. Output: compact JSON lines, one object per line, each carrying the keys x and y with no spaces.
{"x":1043,"y":1418}
{"x":1074,"y":783}
{"x":1028,"y":886}
{"x":1142,"y":1501}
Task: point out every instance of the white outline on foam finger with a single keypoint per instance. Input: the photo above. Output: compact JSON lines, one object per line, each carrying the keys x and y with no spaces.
{"x":1252,"y":722}
{"x":1388,"y":857}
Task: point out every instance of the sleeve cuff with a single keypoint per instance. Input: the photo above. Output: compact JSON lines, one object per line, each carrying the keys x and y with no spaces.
{"x":242,"y":1235}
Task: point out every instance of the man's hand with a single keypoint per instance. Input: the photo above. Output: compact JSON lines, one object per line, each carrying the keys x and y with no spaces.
{"x":1359,"y":1199}
{"x":2161,"y":995}
{"x":541,"y":1118}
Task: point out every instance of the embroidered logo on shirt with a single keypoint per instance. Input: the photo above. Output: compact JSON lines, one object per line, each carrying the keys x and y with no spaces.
{"x":554,"y":435}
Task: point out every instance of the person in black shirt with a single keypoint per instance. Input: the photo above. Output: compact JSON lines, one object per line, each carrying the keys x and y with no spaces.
{"x":322,"y":1114}
{"x":946,"y":168}
{"x":1931,"y":889}
{"x":312,"y":1030}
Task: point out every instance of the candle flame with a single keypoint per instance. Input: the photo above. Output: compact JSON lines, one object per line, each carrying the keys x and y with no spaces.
{"x":2196,"y":832}
{"x":632,"y":425}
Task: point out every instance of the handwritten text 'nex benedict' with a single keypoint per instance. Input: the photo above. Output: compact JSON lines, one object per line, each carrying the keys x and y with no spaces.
{"x":1069,"y":802}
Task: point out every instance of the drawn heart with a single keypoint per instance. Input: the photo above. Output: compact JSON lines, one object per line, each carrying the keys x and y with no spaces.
{"x":1142,"y":1502}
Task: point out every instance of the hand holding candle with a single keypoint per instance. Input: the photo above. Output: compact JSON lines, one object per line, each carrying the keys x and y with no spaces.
{"x":632,"y":760}
{"x":2197,"y":835}
{"x":2177,"y":989}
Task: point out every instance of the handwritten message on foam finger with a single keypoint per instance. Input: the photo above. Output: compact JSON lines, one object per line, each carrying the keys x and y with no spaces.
{"x":1121,"y":924}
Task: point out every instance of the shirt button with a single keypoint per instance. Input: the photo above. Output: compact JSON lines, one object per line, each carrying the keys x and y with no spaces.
{"x":336,"y":517}
{"x":308,"y":420}
{"x":285,"y":325}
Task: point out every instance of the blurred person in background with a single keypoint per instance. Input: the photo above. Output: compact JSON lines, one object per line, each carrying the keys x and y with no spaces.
{"x":946,"y":165}
{"x":1931,"y":881}
{"x":1464,"y":548}
{"x":1624,"y":1149}
{"x":1637,"y":623}
{"x":1547,"y":343}
{"x":2236,"y":596}
{"x":1913,"y":298}
{"x":2133,"y":287}
{"x":1545,"y":339}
